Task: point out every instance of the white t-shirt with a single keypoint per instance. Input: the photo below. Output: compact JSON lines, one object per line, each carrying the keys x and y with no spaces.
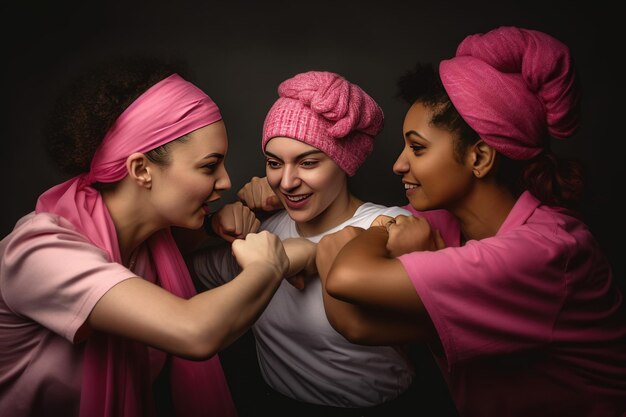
{"x":299,"y":353}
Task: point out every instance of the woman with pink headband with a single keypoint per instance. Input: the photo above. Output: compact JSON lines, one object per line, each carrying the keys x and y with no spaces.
{"x":515,"y":297}
{"x":96,"y":302}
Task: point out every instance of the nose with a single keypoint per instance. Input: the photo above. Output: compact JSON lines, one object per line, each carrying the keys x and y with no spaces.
{"x":223,"y":182}
{"x":290,"y":178}
{"x":401,"y":166}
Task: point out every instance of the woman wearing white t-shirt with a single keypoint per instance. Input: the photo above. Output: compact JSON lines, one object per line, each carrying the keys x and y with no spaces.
{"x":316,"y":135}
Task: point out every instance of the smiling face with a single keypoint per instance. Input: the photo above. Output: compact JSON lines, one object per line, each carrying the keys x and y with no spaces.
{"x":195,"y":175}
{"x":433,"y":177}
{"x":311,"y":186}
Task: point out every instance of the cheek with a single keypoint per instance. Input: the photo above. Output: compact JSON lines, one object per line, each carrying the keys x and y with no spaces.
{"x":273,"y":178}
{"x":195,"y":186}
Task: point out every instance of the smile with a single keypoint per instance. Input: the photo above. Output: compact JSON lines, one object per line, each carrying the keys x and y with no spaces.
{"x":297,"y":198}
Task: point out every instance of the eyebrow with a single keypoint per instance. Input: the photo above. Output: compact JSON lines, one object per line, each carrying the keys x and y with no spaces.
{"x":302,"y":155}
{"x":214,"y":155}
{"x":414,"y":133}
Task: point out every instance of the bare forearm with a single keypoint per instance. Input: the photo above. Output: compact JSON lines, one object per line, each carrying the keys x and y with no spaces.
{"x":197,"y":328}
{"x":367,"y":326}
{"x":301,"y":254}
{"x":363,"y":273}
{"x":232,"y":308}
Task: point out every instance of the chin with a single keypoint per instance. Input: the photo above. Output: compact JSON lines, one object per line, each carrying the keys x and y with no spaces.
{"x":299,"y":216}
{"x":419,"y":205}
{"x":195,"y":223}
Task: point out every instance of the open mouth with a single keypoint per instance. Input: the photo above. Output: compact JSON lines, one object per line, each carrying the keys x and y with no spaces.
{"x":296,"y":201}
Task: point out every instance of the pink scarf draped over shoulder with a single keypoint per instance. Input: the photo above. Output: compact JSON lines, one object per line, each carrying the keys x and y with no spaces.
{"x":116,"y":375}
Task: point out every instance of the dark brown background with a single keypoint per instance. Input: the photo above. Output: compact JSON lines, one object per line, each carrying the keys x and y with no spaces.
{"x":240,"y":51}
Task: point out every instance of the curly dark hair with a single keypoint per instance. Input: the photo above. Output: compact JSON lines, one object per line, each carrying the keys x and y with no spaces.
{"x":552,"y":180}
{"x":93,"y":101}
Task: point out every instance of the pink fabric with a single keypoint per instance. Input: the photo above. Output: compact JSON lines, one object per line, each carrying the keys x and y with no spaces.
{"x":44,"y":301}
{"x":514,"y":87}
{"x":116,"y":377}
{"x":328,"y":112}
{"x":547,"y":322}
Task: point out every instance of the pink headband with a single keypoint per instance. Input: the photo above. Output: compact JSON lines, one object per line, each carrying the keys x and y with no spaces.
{"x":166,"y":111}
{"x":514,"y":87}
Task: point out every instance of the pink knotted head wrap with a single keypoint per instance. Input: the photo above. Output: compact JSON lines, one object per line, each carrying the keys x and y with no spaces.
{"x":514,"y":87}
{"x":116,"y":371}
{"x":328,"y":112}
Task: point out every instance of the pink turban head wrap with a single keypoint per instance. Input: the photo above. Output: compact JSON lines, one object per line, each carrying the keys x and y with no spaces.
{"x":514,"y":87}
{"x":328,"y":112}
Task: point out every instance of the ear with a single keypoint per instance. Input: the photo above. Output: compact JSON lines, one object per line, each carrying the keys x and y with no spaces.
{"x":483,"y":158}
{"x":139,"y":170}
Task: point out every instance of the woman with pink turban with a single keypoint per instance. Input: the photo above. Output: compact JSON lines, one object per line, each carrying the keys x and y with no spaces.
{"x":315,"y":136}
{"x":514,"y":295}
{"x":96,"y":302}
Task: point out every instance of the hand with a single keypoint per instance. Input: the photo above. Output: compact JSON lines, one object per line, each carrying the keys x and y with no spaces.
{"x":382,"y":220}
{"x":330,"y":245}
{"x":411,"y":234}
{"x":258,"y":195}
{"x":234,"y":221}
{"x":301,"y":254}
{"x":262,"y":248}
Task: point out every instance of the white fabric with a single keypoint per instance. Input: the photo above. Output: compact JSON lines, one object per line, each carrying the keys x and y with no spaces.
{"x":299,"y":353}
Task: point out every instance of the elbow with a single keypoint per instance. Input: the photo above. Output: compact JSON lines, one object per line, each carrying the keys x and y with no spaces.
{"x":194,"y":344}
{"x":353,"y":330}
{"x":340,"y":281}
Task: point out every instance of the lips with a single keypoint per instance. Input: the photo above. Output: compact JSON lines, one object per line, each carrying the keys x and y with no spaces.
{"x":296,"y":201}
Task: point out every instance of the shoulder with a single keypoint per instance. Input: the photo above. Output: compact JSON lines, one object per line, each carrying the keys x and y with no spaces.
{"x":43,"y":228}
{"x":277,"y":222}
{"x":42,"y":240}
{"x":373,"y":209}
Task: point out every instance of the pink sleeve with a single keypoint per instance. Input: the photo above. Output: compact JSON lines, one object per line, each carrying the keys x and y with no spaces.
{"x":54,"y":276}
{"x":493,"y":296}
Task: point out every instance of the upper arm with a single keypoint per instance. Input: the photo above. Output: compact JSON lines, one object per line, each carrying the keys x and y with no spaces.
{"x":374,"y":326}
{"x":53,"y":276}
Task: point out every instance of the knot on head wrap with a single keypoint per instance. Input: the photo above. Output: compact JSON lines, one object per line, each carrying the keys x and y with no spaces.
{"x":514,"y":87}
{"x":328,"y":112}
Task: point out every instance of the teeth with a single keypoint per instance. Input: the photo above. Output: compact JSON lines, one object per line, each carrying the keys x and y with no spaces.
{"x":296,"y":198}
{"x":410,"y":186}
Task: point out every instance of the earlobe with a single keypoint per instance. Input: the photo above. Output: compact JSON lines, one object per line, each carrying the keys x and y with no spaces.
{"x":138,"y":169}
{"x":484,"y":158}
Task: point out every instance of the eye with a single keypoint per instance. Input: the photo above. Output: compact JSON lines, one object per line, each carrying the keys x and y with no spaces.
{"x":416,"y":148}
{"x":309,"y":163}
{"x":210,"y":167}
{"x":272,"y":163}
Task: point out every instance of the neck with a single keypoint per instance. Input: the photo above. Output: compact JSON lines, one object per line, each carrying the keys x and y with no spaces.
{"x":338,"y":212}
{"x":483,"y":211}
{"x":130,"y":216}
